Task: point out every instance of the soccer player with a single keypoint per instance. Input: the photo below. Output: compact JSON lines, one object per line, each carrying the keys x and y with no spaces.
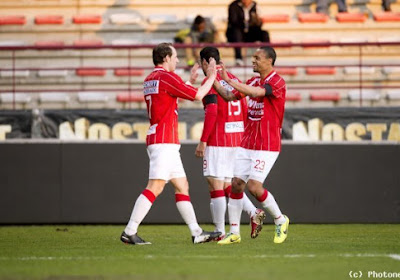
{"x":222,"y":134}
{"x":261,"y":141}
{"x":161,"y":89}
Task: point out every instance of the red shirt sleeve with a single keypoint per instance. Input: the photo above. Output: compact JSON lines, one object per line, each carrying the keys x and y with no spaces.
{"x":210,"y":119}
{"x":278,"y":86}
{"x":176,"y":87}
{"x":235,"y":92}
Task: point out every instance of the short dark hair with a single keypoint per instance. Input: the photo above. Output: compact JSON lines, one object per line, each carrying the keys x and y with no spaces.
{"x":269,"y":53}
{"x":160,"y":52}
{"x":209,"y":52}
{"x":197,"y":21}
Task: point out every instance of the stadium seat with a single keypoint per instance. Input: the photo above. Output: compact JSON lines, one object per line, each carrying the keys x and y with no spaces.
{"x":92,"y":96}
{"x":88,"y":42}
{"x":351,"y":17}
{"x":393,"y":94}
{"x":125,"y":19}
{"x":292,"y":71}
{"x":16,"y":73}
{"x":126,"y":97}
{"x":49,"y":19}
{"x":352,"y":40}
{"x":12,"y":20}
{"x":320,"y":70}
{"x":367,"y":94}
{"x":293,"y":96}
{"x":386,"y":16}
{"x":52,"y":73}
{"x":162,"y":19}
{"x":12,"y":43}
{"x":128,"y":72}
{"x":49,"y":43}
{"x":352,"y":70}
{"x":388,"y":70}
{"x":312,"y":17}
{"x":122,"y":42}
{"x":156,"y":41}
{"x":237,"y":71}
{"x":86,"y":71}
{"x":87,"y":19}
{"x":388,"y":39}
{"x":22,"y":98}
{"x":325,"y":96}
{"x":275,"y":18}
{"x":54,"y":97}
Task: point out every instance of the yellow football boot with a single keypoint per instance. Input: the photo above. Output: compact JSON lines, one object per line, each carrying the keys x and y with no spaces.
{"x":281,"y":231}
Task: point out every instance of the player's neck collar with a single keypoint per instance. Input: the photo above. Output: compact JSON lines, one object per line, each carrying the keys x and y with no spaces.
{"x":159,"y":68}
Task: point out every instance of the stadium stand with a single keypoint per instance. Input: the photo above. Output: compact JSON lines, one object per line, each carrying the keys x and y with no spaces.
{"x":21,"y":100}
{"x":52,"y":99}
{"x":54,"y":23}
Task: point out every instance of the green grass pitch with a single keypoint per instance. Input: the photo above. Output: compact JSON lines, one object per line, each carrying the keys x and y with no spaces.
{"x":95,"y":252}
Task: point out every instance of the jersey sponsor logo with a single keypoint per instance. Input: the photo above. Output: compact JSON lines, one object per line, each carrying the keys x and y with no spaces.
{"x":255,"y":108}
{"x":226,"y":85}
{"x":151,"y":87}
{"x":232,"y":127}
{"x":152,"y":129}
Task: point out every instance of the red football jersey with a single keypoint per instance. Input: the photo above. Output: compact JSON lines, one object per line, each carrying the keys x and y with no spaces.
{"x":265,"y":115}
{"x":161,"y":91}
{"x":227,"y":131}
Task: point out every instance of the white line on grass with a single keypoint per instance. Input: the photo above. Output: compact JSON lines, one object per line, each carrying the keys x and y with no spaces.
{"x":53,"y":258}
{"x":395,"y":257}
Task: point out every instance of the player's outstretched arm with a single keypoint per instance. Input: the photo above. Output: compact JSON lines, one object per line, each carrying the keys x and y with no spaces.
{"x":227,"y":95}
{"x":211,"y":75}
{"x":243,"y":88}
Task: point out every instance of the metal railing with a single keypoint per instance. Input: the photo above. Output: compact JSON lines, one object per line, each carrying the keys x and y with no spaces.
{"x":129,"y":89}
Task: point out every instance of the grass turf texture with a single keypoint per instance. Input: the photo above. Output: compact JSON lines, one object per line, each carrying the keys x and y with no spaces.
{"x":95,"y":252}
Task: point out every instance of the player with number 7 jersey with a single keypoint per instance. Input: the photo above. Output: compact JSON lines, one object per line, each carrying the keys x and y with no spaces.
{"x":161,"y":91}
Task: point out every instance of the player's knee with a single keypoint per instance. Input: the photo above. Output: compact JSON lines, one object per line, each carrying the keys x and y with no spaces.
{"x":238,"y":185}
{"x":182,"y":187}
{"x":254,"y":187}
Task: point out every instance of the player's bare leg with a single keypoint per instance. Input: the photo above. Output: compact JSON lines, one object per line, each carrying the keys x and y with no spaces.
{"x":186,"y":210}
{"x":268,"y":202}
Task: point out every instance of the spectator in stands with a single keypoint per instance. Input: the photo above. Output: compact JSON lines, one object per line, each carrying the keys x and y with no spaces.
{"x":244,"y":25}
{"x":322,"y":6}
{"x":201,"y":31}
{"x":386,"y":5}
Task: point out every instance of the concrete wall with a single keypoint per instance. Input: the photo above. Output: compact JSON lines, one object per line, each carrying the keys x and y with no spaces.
{"x":58,"y":182}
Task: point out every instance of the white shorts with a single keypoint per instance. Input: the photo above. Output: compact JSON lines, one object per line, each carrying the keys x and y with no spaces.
{"x":218,"y":162}
{"x":165,"y":162}
{"x":253,"y":164}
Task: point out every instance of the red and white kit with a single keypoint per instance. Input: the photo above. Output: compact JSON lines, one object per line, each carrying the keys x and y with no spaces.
{"x":261,"y":141}
{"x":223,"y":130}
{"x":161,"y":91}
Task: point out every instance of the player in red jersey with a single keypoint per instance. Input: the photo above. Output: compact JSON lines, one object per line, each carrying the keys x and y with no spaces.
{"x":261,"y":141}
{"x":161,"y":90}
{"x":222,"y":134}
